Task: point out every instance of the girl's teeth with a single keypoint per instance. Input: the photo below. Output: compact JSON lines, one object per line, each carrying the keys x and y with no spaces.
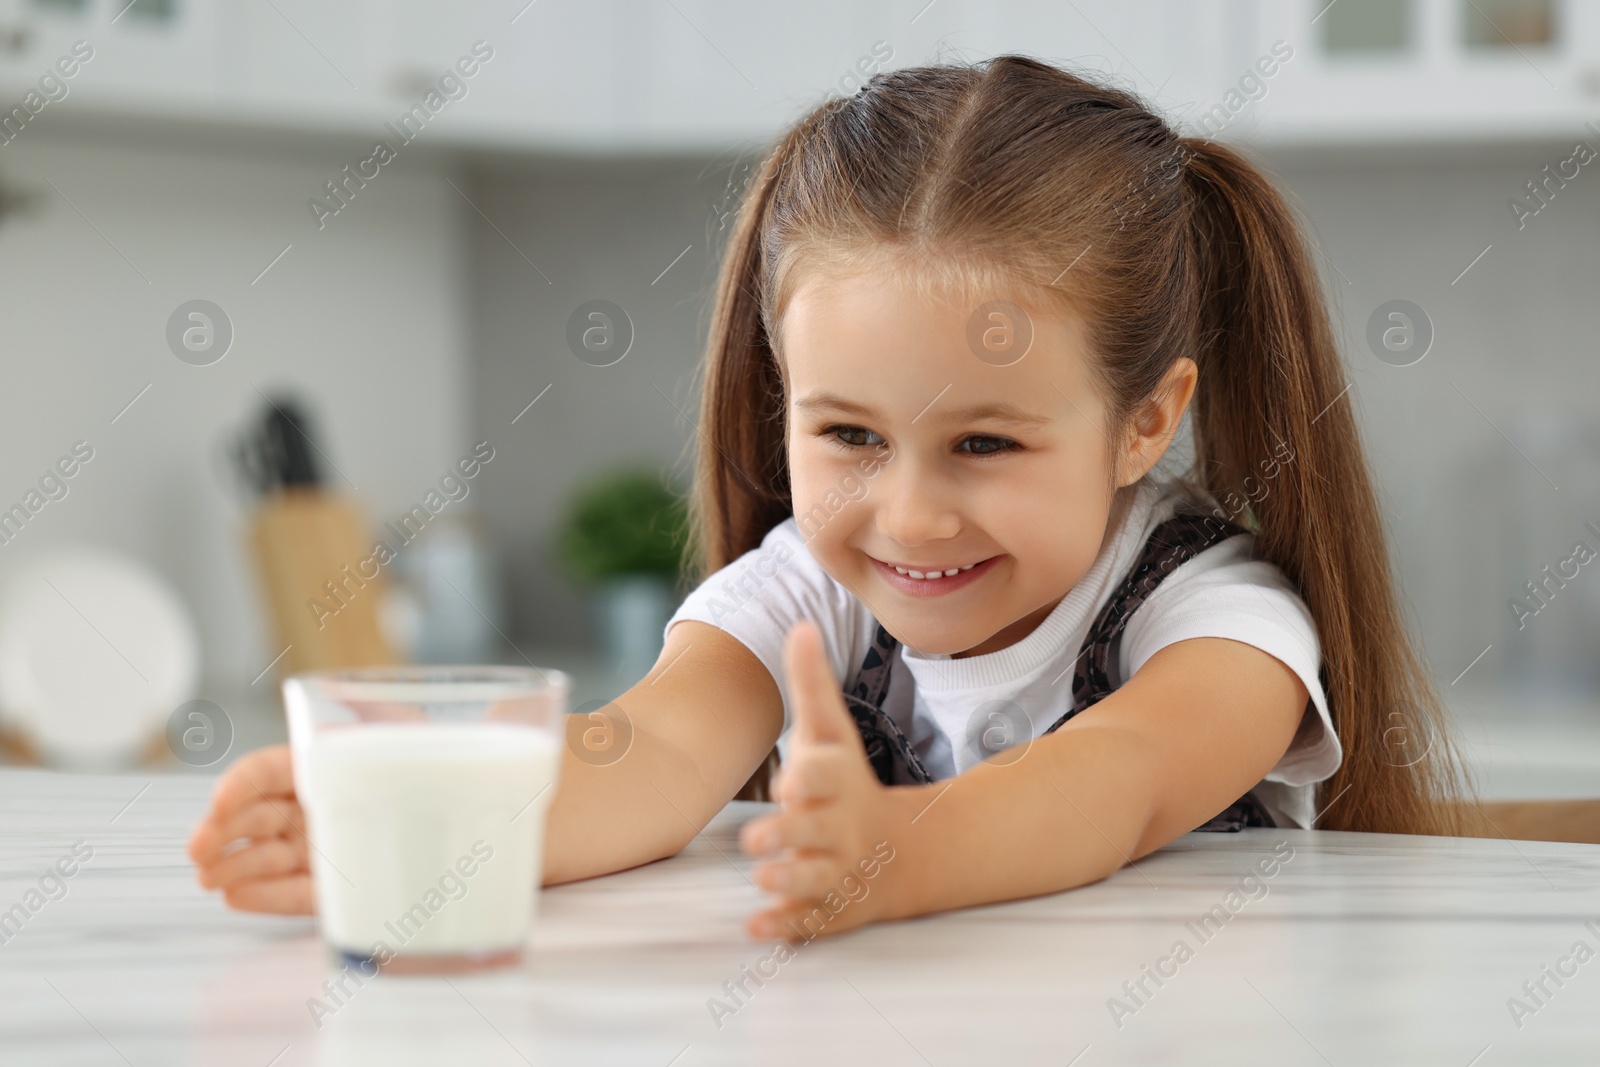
{"x":935,"y":574}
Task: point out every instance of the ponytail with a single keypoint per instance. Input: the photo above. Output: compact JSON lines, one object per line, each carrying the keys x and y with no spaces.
{"x":1272,"y":397}
{"x":741,"y":483}
{"x":741,"y":472}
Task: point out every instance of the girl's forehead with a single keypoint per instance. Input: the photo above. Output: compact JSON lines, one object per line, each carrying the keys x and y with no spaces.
{"x":872,"y":312}
{"x":942,"y":281}
{"x":873,"y":340}
{"x":865,"y":297}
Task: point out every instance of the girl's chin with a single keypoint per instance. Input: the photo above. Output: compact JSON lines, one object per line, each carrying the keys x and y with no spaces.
{"x":938,"y":643}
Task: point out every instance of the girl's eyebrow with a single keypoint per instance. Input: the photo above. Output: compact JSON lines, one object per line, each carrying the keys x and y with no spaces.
{"x":996,"y":412}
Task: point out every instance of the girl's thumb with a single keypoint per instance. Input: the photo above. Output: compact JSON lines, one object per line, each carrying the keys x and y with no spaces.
{"x":814,"y":694}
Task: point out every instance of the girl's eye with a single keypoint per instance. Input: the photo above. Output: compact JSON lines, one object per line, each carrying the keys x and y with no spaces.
{"x":850,"y":436}
{"x":988,"y":446}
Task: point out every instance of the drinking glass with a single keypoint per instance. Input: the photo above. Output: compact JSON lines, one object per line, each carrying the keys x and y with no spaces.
{"x":425,"y":791}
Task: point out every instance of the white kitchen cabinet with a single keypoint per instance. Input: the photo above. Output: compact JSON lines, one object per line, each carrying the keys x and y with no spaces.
{"x":1434,"y":86}
{"x":700,"y":76}
{"x":163,"y":52}
{"x":287,"y":62}
{"x":633,"y":75}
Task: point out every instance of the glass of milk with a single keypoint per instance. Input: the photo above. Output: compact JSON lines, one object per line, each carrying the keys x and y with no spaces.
{"x":425,"y":791}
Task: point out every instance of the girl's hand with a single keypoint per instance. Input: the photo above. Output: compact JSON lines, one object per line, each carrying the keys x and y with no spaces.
{"x":254,"y":801}
{"x":254,"y":804}
{"x":835,"y":826}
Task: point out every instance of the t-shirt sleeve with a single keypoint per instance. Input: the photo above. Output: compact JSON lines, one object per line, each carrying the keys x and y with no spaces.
{"x":1223,"y":592}
{"x":760,"y":595}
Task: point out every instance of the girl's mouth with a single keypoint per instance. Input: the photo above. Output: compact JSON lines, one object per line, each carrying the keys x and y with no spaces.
{"x":932,"y":582}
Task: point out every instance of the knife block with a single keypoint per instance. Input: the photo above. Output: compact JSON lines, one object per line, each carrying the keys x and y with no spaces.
{"x":310,"y":546}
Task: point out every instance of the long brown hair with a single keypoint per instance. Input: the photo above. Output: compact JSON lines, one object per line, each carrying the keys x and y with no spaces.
{"x":1075,"y":193}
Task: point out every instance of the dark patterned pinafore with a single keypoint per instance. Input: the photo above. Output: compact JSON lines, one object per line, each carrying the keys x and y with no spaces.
{"x":1173,"y":543}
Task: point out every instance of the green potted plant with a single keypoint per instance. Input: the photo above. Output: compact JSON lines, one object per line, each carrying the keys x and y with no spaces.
{"x":624,"y":534}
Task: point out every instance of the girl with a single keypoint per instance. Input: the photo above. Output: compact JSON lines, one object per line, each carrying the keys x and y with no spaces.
{"x":962,"y":317}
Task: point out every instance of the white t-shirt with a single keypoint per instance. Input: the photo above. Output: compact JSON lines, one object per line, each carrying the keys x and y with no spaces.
{"x":1222,"y":592}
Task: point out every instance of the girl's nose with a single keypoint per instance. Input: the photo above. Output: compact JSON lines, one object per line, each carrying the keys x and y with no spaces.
{"x":915,"y":505}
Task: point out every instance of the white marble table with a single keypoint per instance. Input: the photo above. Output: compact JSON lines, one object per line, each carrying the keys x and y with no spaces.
{"x":1359,"y":950}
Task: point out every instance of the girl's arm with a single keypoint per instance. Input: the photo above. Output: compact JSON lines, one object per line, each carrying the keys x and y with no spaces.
{"x":1197,"y":726}
{"x":701,"y":721}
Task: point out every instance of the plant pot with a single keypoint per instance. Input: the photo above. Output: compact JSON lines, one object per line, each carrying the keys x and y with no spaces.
{"x":630,"y":613}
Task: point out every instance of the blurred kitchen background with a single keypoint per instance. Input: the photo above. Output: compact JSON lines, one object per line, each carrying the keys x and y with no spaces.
{"x":205,"y":266}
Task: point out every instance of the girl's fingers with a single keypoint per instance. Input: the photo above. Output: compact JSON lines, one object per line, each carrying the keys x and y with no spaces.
{"x":289,"y":895}
{"x":271,"y":858}
{"x":281,"y":817}
{"x":265,"y":772}
{"x":817,"y":828}
{"x":819,"y":709}
{"x":809,"y":875}
{"x":760,"y":835}
{"x":813,"y":775}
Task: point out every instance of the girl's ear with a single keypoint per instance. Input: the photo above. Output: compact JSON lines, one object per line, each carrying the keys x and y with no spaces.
{"x":1155,"y":422}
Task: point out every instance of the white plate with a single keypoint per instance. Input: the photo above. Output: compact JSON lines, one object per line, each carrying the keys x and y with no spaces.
{"x":96,"y":652}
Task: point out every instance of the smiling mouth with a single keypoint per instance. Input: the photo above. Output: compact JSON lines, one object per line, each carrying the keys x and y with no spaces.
{"x":921,"y":582}
{"x":932,"y":574}
{"x":926,"y":581}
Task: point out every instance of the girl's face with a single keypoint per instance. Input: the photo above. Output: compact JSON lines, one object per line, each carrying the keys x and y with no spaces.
{"x":906,"y":449}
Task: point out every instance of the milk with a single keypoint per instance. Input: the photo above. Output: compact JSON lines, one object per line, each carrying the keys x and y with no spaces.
{"x":428,"y":836}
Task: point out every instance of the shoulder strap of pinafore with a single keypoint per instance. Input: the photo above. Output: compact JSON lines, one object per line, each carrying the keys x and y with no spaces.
{"x":1171,"y":544}
{"x":893,"y":759}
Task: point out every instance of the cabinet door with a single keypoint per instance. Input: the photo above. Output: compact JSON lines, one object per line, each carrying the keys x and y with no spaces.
{"x":563,"y":76}
{"x":306,"y":62}
{"x":148,"y":53}
{"x":716,"y":72}
{"x":464,"y":54}
{"x":1410,"y":70}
